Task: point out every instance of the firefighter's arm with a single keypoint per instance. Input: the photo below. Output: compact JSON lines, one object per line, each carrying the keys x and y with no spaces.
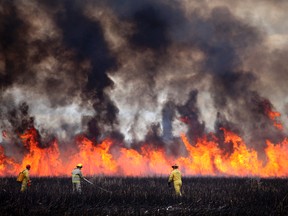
{"x":80,"y":175}
{"x":171,"y":177}
{"x":26,"y":174}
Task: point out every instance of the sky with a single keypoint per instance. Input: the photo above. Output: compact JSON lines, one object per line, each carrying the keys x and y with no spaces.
{"x":138,"y":70}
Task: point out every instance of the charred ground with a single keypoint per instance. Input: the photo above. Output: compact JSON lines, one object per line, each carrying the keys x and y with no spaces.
{"x":146,"y":196}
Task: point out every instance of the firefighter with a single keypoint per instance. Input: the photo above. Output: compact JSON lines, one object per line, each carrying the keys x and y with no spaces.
{"x":175,"y":177}
{"x":26,"y":180}
{"x":76,"y":178}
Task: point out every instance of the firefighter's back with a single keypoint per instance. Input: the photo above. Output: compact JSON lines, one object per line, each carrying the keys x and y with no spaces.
{"x":76,"y":173}
{"x":176,"y":175}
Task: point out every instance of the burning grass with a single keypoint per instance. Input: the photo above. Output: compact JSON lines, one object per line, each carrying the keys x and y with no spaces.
{"x":146,"y":196}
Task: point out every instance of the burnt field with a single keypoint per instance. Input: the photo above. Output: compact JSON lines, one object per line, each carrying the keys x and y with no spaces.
{"x":146,"y":196}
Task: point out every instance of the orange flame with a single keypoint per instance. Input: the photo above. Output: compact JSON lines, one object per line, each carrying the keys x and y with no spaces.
{"x":43,"y":160}
{"x":273,"y":115}
{"x":205,"y":157}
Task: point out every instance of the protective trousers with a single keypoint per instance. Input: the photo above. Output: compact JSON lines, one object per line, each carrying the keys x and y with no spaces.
{"x":177,"y":187}
{"x":76,"y":187}
{"x":24,"y":185}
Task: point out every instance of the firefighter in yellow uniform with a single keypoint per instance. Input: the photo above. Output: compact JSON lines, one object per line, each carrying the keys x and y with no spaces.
{"x":76,"y":178}
{"x":26,"y":180}
{"x":175,"y":177}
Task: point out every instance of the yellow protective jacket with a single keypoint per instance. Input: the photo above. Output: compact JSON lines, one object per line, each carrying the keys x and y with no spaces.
{"x":175,"y":176}
{"x":25,"y":181}
{"x":76,"y":175}
{"x":26,"y":176}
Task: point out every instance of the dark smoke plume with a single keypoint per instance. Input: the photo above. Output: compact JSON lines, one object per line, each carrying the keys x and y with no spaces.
{"x":140,"y":71}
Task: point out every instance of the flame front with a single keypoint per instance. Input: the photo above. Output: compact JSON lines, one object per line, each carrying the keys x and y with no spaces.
{"x":203,"y":158}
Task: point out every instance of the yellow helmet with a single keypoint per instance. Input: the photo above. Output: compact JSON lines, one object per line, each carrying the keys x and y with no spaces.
{"x":79,"y":165}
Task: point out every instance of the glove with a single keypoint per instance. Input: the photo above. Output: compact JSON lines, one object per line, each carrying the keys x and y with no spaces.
{"x":29,"y":183}
{"x":169,"y":184}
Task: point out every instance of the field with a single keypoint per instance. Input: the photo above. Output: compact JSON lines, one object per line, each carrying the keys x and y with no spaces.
{"x":146,"y":196}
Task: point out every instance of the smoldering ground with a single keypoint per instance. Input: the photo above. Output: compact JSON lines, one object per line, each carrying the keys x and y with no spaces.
{"x":146,"y":196}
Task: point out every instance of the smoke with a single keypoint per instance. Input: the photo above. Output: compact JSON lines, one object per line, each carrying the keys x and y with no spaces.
{"x":142,"y":70}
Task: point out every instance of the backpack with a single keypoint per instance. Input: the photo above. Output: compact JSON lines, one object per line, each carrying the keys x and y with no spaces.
{"x":20,"y":177}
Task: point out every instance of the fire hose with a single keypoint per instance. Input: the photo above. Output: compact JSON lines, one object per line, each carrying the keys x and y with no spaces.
{"x":97,"y":186}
